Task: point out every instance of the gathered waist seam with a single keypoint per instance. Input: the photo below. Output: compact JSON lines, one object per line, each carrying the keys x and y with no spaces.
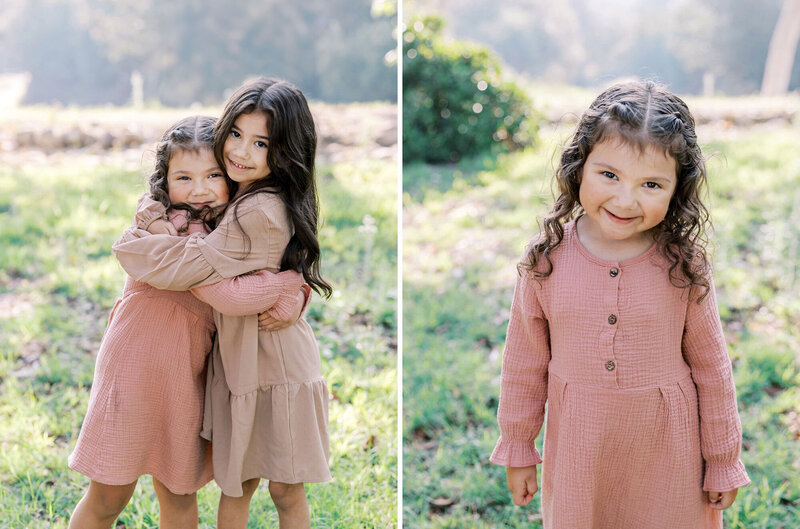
{"x":565,"y":380}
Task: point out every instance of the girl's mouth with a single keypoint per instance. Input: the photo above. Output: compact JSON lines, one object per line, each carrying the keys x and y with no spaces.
{"x":615,"y":218}
{"x":238,"y":166}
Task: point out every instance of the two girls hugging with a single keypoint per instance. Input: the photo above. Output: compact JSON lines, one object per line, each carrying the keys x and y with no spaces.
{"x":221,"y":259}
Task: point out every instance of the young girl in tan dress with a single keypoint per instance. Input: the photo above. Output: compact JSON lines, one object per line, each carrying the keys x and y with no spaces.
{"x":146,"y":405}
{"x":614,"y":324}
{"x":266,"y":403}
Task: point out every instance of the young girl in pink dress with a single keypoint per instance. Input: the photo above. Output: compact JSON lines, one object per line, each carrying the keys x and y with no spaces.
{"x":146,"y":405}
{"x":614,"y":324}
{"x":266,"y":403}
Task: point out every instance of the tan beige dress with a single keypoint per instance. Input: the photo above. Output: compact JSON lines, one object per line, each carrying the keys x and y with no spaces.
{"x":266,"y":406}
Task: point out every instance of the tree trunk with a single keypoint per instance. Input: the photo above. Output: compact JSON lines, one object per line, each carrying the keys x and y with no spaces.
{"x":782,"y":48}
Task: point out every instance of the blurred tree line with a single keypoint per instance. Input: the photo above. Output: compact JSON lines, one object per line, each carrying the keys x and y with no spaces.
{"x":85,"y":51}
{"x":585,"y":42}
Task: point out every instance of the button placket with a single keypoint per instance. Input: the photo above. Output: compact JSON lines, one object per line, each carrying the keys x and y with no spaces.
{"x":610,"y":364}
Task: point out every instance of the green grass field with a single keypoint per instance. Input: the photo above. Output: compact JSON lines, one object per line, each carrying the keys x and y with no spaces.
{"x":59,"y":279}
{"x":465,"y":227}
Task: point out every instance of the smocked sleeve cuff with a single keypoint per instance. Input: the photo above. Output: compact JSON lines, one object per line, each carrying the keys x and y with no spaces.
{"x":515,"y":453}
{"x":147,"y":211}
{"x":283,"y":309}
{"x":723,"y":477}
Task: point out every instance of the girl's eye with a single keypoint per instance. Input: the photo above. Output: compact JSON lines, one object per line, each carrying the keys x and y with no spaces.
{"x":184,"y":178}
{"x":235,"y":134}
{"x":215,"y":175}
{"x":609,"y":174}
{"x":261,"y":145}
{"x":652,"y":185}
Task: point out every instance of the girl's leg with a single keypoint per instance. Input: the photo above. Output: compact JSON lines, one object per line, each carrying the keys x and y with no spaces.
{"x":175,"y":511}
{"x":234,"y":512}
{"x":101,"y":505}
{"x":290,"y":501}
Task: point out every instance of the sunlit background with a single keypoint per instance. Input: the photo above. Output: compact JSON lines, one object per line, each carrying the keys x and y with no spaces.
{"x":694,"y":46}
{"x":93,"y":52}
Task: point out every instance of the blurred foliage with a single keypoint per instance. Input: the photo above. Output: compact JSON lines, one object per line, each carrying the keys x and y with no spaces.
{"x":84,"y":51}
{"x":455,"y":103}
{"x":591,"y":43}
{"x":465,"y":228}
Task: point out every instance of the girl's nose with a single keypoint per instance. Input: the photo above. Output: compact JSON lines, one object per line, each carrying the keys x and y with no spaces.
{"x":625,"y":198}
{"x":200,"y":187}
{"x":240,"y":150}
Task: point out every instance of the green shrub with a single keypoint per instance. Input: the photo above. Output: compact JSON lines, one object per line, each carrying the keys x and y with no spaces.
{"x":454,"y":101}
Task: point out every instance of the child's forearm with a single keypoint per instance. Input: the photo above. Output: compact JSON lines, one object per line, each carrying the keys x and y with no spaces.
{"x":720,"y":428}
{"x":252,"y":293}
{"x":164,"y":261}
{"x":523,"y":387}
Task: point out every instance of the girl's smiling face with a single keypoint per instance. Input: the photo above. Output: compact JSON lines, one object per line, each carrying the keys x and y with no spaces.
{"x":245,"y":149}
{"x":626,"y":191}
{"x":195,"y":178}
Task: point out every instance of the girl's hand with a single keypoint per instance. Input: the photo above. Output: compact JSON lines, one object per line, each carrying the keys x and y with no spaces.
{"x":269,"y":323}
{"x":162,"y":226}
{"x":722,"y":500}
{"x":522,"y":484}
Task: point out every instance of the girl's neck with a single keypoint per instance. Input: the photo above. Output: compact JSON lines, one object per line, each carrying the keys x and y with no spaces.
{"x":249,"y":187}
{"x":610,"y":249}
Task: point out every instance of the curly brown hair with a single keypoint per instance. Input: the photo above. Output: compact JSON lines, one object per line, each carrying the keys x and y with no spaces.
{"x":639,"y":114}
{"x":189,"y":134}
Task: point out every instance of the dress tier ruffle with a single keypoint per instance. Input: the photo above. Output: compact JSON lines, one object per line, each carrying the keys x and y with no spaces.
{"x":276,"y":425}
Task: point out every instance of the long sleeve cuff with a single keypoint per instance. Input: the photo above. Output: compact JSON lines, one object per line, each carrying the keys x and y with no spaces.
{"x":722,"y":477}
{"x":147,"y":211}
{"x":283,"y":309}
{"x":515,"y":453}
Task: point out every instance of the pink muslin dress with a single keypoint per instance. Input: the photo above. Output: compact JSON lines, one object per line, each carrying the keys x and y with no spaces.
{"x":266,"y":408}
{"x":146,"y":405}
{"x":641,"y":404}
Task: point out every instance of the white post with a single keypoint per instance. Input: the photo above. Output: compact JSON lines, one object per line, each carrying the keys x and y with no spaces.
{"x":137,"y":89}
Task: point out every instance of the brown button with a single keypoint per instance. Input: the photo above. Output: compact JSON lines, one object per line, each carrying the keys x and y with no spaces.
{"x":614,"y":272}
{"x":612,"y":319}
{"x":610,"y":365}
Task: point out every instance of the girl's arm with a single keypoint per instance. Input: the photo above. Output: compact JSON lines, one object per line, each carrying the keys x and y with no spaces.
{"x":523,"y":384}
{"x":253,"y":293}
{"x":720,"y":430}
{"x":148,"y":211}
{"x":182,"y":263}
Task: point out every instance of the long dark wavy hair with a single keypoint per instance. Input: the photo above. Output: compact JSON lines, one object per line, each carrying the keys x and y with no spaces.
{"x":189,"y":134}
{"x":290,"y":157}
{"x":641,"y":114}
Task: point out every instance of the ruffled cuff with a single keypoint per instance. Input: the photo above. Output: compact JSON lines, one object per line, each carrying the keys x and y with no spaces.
{"x":147,"y":211}
{"x":515,"y":453}
{"x":723,"y":477}
{"x":283,"y":309}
